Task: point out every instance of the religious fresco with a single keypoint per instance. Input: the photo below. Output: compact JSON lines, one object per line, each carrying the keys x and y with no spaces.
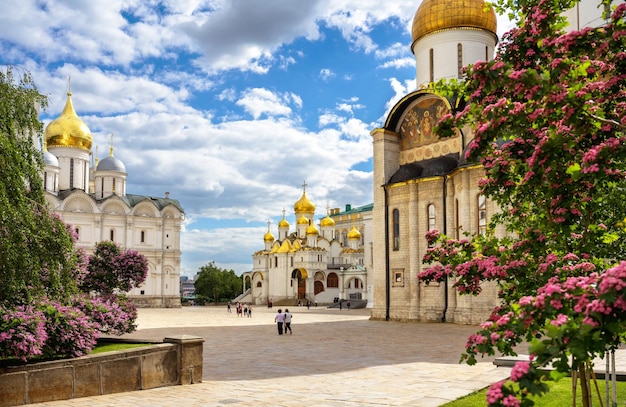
{"x":418,"y":124}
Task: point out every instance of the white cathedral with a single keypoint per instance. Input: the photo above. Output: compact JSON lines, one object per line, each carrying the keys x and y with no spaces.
{"x":422,"y":182}
{"x":319,"y":263}
{"x":93,"y":200}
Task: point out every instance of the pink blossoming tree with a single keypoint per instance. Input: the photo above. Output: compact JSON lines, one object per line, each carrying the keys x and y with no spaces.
{"x":549,"y":119}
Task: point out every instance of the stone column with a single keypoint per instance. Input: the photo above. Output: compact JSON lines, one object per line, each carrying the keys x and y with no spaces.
{"x":189,"y":357}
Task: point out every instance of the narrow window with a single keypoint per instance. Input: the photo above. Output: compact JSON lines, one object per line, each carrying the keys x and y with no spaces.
{"x":112,"y":235}
{"x":482,"y":215}
{"x":486,"y":53}
{"x":431,"y":217}
{"x":459,"y":51}
{"x":45,"y":181}
{"x":113,"y":186}
{"x":432,"y":65}
{"x":77,"y":233}
{"x":396,"y":229}
{"x":71,"y":173}
{"x":457,"y":227}
{"x":143,"y":236}
{"x":102,"y":187}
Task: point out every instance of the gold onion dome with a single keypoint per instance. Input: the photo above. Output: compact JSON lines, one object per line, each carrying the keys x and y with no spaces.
{"x":283,"y":223}
{"x":304,"y":205}
{"x":436,"y":15}
{"x":354,"y":234}
{"x":302,"y":220}
{"x":68,"y":130}
{"x":312,"y":230}
{"x":327,"y":221}
{"x":268,"y":237}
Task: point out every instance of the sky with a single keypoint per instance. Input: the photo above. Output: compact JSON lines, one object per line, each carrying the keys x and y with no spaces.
{"x":228,"y":105}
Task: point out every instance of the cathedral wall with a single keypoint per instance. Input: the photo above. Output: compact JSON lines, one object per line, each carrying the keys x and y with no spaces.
{"x":446,"y":52}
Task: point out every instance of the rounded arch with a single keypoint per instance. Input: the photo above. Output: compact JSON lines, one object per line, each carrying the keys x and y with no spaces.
{"x":146,"y":209}
{"x":79,"y":203}
{"x":350,"y":282}
{"x":319,"y":276}
{"x":299,"y":273}
{"x":114,"y":208}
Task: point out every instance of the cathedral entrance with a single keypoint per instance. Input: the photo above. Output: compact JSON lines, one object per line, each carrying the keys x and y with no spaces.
{"x":301,"y":275}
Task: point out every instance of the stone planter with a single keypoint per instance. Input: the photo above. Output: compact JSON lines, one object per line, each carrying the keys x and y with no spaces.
{"x":176,"y":361}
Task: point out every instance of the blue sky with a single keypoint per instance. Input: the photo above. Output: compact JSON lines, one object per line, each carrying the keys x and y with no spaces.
{"x":229,"y":105}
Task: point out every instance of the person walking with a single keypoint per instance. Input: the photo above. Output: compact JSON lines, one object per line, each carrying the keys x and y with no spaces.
{"x":288,"y":317}
{"x":280,"y":320}
{"x":228,"y":307}
{"x":249,"y":311}
{"x":348,"y":305}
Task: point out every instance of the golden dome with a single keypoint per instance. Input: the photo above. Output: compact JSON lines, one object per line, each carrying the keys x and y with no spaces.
{"x":327,"y":221}
{"x":312,"y":230}
{"x":68,"y":130}
{"x":283,"y":223}
{"x":268,"y":237}
{"x":302,"y":220}
{"x":354,"y":234}
{"x":435,"y":15}
{"x":304,"y":205}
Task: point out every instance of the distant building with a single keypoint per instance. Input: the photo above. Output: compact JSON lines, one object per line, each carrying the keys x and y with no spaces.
{"x":93,"y":199}
{"x":318,"y":262}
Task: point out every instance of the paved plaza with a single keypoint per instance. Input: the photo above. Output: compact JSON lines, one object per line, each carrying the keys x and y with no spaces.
{"x":333,"y":358}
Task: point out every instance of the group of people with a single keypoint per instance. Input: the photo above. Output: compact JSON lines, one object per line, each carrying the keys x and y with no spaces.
{"x":243,"y":310}
{"x":283,"y":321}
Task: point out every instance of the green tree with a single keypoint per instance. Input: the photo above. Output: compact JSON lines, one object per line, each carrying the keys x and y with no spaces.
{"x":215,"y":284}
{"x":549,"y":120}
{"x":37,"y":256}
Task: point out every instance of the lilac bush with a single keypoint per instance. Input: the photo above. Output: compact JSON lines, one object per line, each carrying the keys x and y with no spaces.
{"x":70,"y":331}
{"x":114,"y":315}
{"x":22,"y":332}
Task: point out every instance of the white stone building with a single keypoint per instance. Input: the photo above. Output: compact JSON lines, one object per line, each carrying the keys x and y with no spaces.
{"x":422,"y":182}
{"x":93,"y":199}
{"x":320,"y":263}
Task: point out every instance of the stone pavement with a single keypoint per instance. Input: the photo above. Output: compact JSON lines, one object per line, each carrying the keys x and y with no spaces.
{"x":333,"y":358}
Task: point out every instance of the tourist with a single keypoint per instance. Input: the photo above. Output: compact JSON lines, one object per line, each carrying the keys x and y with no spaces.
{"x":288,"y":322}
{"x":280,"y":319}
{"x":245,"y":310}
{"x":228,"y":307}
{"x":249,"y":311}
{"x":348,"y":305}
{"x":340,"y":305}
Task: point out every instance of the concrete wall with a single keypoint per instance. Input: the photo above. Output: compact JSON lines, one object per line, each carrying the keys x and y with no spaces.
{"x":177,"y":361}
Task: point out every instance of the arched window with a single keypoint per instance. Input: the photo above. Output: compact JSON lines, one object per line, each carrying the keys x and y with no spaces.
{"x":396,"y":229}
{"x":332,"y":281}
{"x":482,"y":214}
{"x":459,"y":56}
{"x":259,"y":285}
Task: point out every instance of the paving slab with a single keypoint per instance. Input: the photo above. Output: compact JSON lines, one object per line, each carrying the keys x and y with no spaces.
{"x":333,"y":358}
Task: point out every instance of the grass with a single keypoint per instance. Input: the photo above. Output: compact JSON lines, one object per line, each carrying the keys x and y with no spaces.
{"x":110,"y":347}
{"x":560,"y":394}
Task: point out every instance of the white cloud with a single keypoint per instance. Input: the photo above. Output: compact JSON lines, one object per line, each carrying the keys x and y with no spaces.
{"x":258,"y":102}
{"x":326,"y":74}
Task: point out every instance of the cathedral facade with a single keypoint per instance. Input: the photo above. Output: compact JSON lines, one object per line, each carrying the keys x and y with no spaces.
{"x":422,"y":182}
{"x":319,"y":263}
{"x":94,"y":201}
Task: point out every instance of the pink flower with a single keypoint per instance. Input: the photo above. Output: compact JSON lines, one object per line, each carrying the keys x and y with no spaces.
{"x":494,"y":394}
{"x":519,"y":370}
{"x":561,"y":319}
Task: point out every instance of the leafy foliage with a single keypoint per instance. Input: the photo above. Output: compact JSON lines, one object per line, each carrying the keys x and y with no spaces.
{"x":42,"y":311}
{"x":111,"y":269}
{"x":215,"y":284}
{"x":549,"y":119}
{"x":37,"y":257}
